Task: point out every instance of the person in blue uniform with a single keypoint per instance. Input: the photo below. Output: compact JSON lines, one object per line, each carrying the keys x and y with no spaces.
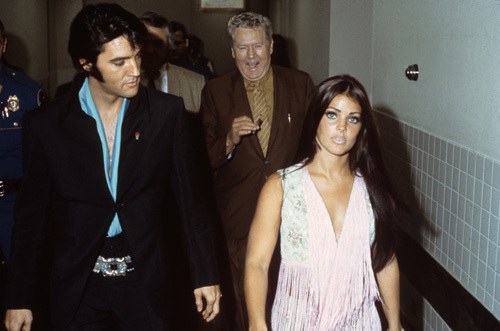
{"x":18,"y":95}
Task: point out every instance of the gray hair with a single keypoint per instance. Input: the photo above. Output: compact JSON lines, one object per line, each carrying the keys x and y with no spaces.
{"x":249,"y":20}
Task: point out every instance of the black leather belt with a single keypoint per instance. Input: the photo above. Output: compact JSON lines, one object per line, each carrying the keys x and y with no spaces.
{"x":9,"y":186}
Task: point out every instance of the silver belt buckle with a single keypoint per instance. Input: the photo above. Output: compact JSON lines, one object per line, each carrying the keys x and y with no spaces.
{"x":113,"y":266}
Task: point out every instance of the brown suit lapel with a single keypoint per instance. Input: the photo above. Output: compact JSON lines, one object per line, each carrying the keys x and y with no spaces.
{"x":279,"y":101}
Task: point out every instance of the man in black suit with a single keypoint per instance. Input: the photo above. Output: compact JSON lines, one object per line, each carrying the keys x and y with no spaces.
{"x":105,"y":158}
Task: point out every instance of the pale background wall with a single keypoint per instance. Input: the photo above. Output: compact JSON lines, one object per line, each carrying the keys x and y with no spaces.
{"x":25,"y":22}
{"x":456,"y":44}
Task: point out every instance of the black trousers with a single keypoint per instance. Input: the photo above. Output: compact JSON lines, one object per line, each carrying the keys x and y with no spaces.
{"x":116,"y":302}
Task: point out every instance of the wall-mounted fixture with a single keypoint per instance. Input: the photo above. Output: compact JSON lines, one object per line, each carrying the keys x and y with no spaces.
{"x":412,"y":72}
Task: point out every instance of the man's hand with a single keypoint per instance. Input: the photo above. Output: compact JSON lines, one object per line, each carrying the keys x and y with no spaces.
{"x":18,"y":319}
{"x":242,"y":126}
{"x":212,"y":295}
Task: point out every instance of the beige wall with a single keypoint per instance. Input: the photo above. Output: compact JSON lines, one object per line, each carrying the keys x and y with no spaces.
{"x":306,"y":26}
{"x":25,"y":22}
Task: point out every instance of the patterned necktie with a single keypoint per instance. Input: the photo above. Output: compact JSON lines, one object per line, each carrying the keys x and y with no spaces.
{"x":261,"y":112}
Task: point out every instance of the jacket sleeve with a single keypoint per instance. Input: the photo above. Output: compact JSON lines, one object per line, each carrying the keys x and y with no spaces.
{"x":186,"y":186}
{"x":215,"y":140}
{"x":30,"y":222}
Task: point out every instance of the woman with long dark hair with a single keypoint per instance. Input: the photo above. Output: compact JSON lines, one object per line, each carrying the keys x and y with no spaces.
{"x":334,"y":211}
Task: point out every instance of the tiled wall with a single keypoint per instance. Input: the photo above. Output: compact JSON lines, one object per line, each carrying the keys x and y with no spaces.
{"x":458,"y":193}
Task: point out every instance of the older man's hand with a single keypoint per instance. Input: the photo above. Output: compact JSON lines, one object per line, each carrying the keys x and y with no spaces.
{"x":211,"y":295}
{"x":242,"y":126}
{"x":18,"y":319}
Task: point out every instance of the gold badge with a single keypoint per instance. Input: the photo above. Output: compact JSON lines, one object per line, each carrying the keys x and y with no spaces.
{"x":13,"y":103}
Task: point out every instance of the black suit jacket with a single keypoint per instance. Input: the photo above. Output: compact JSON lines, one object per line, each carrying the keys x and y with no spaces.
{"x":238,"y":180}
{"x":63,"y":166}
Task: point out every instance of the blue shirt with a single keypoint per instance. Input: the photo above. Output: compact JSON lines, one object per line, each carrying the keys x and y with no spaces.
{"x":89,"y":107}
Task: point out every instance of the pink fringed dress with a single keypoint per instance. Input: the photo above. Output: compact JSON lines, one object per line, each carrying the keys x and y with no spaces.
{"x":324,"y":284}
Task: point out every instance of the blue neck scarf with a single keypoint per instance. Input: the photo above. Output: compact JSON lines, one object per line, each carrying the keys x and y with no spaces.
{"x":89,"y":107}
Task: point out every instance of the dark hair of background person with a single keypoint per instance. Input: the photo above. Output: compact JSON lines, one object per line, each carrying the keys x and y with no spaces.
{"x":365,"y":157}
{"x":195,"y":48}
{"x":96,"y":25}
{"x":155,"y":20}
{"x":2,"y":31}
{"x":178,"y":26}
{"x":279,"y":57}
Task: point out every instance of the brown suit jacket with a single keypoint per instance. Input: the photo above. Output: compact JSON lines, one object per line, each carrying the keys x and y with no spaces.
{"x":239,"y":179}
{"x":182,"y":83}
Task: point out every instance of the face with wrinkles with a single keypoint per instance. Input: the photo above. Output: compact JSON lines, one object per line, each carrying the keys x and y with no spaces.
{"x":251,"y":52}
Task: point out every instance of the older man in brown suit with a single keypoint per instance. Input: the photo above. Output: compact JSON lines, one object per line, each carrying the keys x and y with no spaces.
{"x":253,"y":120}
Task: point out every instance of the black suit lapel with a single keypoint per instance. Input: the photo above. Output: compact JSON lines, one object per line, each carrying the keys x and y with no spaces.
{"x":133,"y":142}
{"x":79,"y":133}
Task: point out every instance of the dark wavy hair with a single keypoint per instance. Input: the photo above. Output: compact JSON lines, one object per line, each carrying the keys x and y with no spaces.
{"x":365,"y":158}
{"x":96,"y":25}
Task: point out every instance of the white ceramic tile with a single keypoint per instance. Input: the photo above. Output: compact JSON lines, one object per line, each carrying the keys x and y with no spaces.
{"x":479,"y":167}
{"x":455,"y":182}
{"x":461,"y":208}
{"x":494,"y":232}
{"x":478,"y":192}
{"x":462,"y":182}
{"x":496,"y":175}
{"x":456,"y":157}
{"x":473,"y":268}
{"x":442,"y":154}
{"x":449,"y":153}
{"x":471,"y":163}
{"x":486,"y":199}
{"x":464,"y":155}
{"x":483,"y":250}
{"x":476,"y":217}
{"x":488,"y":300}
{"x":469,"y":194}
{"x":485,"y":222}
{"x":488,"y":171}
{"x":490,"y":280}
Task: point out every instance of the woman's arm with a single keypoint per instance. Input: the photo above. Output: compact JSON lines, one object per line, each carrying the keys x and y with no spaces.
{"x":261,"y":242}
{"x":388,"y":282}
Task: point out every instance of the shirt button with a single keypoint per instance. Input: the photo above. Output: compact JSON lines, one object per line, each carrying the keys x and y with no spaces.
{"x":266,"y":162}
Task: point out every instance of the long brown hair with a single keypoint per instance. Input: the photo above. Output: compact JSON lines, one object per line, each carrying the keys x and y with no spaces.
{"x":365,"y":158}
